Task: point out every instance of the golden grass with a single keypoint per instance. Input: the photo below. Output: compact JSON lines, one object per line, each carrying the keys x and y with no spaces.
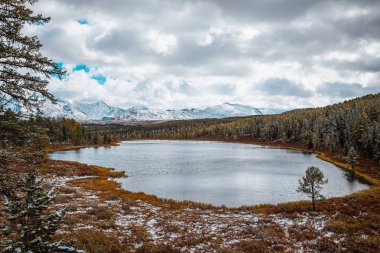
{"x":359,"y":172}
{"x":95,"y":241}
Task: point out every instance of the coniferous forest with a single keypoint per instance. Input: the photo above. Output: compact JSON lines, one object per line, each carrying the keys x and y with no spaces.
{"x":336,"y":128}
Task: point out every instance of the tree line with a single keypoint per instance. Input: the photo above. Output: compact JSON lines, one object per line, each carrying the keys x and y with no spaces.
{"x":335,"y":128}
{"x":15,"y":131}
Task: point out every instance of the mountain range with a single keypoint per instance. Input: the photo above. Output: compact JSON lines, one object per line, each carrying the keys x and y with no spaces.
{"x":100,"y":111}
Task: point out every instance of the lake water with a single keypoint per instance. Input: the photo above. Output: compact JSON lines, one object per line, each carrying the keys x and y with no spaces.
{"x":219,"y":173}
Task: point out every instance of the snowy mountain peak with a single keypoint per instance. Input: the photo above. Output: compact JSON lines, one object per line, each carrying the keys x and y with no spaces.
{"x":102,"y":111}
{"x":63,"y":109}
{"x":138,"y":108}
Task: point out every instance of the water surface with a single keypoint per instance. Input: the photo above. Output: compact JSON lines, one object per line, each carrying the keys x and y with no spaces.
{"x":219,"y":173}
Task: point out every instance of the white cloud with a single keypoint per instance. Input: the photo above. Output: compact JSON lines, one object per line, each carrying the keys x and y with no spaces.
{"x":205,"y":40}
{"x":160,"y":43}
{"x":186,"y":54}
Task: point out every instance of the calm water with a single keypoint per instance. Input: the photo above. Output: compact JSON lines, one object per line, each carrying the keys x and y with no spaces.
{"x":213,"y":172}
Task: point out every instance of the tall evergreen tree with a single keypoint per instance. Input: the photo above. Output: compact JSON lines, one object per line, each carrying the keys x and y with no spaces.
{"x":352,"y":157}
{"x":28,"y":224}
{"x":24,"y":72}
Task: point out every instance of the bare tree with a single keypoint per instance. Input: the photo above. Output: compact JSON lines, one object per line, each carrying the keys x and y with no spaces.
{"x":312,"y":184}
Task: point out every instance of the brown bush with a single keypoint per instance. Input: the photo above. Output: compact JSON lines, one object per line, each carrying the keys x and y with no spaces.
{"x":101,"y":213}
{"x":75,"y":219}
{"x":96,"y":242}
{"x":342,"y":227}
{"x":269,"y":233}
{"x":67,"y":190}
{"x":152,"y":248}
{"x":257,"y":246}
{"x":111,"y":196}
{"x":171,"y":228}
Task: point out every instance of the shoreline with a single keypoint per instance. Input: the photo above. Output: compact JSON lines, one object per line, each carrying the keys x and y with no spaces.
{"x":71,"y":147}
{"x":372,"y":182}
{"x":320,"y":154}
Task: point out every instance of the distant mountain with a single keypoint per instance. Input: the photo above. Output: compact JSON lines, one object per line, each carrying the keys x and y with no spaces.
{"x":102,"y":111}
{"x":13,"y":106}
{"x":58,"y":110}
{"x":63,"y":109}
{"x":229,"y":110}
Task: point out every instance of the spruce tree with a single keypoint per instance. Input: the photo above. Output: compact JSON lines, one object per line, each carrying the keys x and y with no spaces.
{"x":30,"y":224}
{"x":24,"y":72}
{"x":312,"y":184}
{"x":352,"y":157}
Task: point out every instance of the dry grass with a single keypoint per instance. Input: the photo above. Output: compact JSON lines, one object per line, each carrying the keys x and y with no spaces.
{"x":95,"y":241}
{"x":257,"y":246}
{"x":101,"y":213}
{"x":153,"y":248}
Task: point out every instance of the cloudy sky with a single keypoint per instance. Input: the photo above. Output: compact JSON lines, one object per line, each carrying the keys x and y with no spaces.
{"x":178,"y":53}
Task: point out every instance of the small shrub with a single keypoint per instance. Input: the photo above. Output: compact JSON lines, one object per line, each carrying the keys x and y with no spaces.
{"x":327,"y":245}
{"x":257,"y":246}
{"x":126,"y":207}
{"x":43,"y":170}
{"x":152,"y":248}
{"x":139,"y":234}
{"x":270,"y":233}
{"x":71,"y":208}
{"x":96,"y":242}
{"x":171,"y":228}
{"x":67,"y":190}
{"x":101,"y":213}
{"x":74,"y":219}
{"x":111,"y":196}
{"x":108,"y":224}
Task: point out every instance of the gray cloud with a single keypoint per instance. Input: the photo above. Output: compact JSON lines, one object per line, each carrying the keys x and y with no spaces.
{"x":345,"y":90}
{"x":284,"y":87}
{"x":221,"y":89}
{"x":185,"y":49}
{"x":265,"y":11}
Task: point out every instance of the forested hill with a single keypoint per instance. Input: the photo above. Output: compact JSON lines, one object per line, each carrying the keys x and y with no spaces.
{"x":336,"y":128}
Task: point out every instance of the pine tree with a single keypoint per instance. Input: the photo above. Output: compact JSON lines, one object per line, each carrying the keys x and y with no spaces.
{"x":30,"y":224}
{"x":352,"y":157}
{"x":24,"y":72}
{"x":312,"y":184}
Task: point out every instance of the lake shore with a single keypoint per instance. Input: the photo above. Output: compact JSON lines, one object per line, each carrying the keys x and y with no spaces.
{"x":334,"y":215}
{"x":337,"y":160}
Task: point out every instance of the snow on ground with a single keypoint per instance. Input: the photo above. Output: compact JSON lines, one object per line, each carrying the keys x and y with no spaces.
{"x":199,"y":230}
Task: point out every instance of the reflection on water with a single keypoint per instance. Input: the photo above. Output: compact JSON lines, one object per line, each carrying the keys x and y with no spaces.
{"x":219,"y":173}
